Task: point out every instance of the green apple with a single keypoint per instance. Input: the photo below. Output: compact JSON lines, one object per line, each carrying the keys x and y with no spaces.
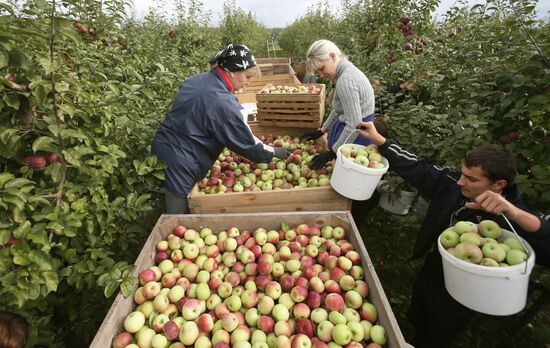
{"x":494,"y":251}
{"x":489,"y":228}
{"x":134,"y":322}
{"x":513,"y":243}
{"x":367,"y":325}
{"x":341,"y":334}
{"x":336,"y":318}
{"x":462,"y":227}
{"x":449,"y":238}
{"x":515,"y":256}
{"x":324,"y":331}
{"x":471,"y":237}
{"x":468,"y":252}
{"x":378,"y":334}
{"x":357,"y":331}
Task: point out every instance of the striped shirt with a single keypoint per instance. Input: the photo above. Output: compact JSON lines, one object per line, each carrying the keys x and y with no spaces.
{"x":353,"y":100}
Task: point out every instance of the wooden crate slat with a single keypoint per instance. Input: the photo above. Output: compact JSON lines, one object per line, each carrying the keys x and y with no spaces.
{"x":289,"y":105}
{"x":121,"y":307}
{"x":290,"y":124}
{"x":282,"y":117}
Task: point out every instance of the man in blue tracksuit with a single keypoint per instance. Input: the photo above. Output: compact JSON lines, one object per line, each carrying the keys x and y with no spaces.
{"x":484,"y":189}
{"x":206,"y":117}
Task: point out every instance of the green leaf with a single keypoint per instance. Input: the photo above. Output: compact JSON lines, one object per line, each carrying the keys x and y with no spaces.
{"x":44,"y":144}
{"x":111,"y":287}
{"x":56,"y":171}
{"x":19,"y":182}
{"x":5,"y":177}
{"x":12,"y":100}
{"x":22,"y":230}
{"x":51,"y":279}
{"x":4,"y":58}
{"x":285,"y":227}
{"x":127,"y":286}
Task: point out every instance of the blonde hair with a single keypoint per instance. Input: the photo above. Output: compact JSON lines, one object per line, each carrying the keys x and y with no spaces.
{"x":320,"y":51}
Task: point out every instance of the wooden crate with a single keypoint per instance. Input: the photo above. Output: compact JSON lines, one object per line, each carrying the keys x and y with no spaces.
{"x":281,"y":60}
{"x":304,"y":110}
{"x":121,"y":307}
{"x":299,"y":199}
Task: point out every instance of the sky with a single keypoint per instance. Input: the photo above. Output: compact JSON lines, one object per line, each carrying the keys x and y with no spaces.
{"x":281,"y":13}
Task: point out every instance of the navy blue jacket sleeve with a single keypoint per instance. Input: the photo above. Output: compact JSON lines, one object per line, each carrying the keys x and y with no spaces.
{"x":236,"y":135}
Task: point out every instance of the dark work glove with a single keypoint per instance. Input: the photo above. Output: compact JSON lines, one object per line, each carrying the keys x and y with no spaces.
{"x":281,"y":152}
{"x":316,"y":134}
{"x":320,"y":160}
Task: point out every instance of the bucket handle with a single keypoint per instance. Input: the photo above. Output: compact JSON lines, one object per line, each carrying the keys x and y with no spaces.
{"x":520,"y":241}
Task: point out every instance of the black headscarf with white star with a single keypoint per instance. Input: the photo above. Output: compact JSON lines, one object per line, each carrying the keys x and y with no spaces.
{"x":234,"y":58}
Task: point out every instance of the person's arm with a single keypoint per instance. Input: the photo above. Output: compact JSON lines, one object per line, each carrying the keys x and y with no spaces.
{"x":231,"y":130}
{"x":348,"y":94}
{"x":497,"y":204}
{"x":417,"y":171}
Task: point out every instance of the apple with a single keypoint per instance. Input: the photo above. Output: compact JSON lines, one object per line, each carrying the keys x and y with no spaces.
{"x":189,"y":333}
{"x":280,"y":312}
{"x":462,"y":227}
{"x":486,"y":261}
{"x":252,"y":316}
{"x":341,"y":334}
{"x":368,"y":312}
{"x":305,"y":327}
{"x":122,"y":340}
{"x":468,"y":252}
{"x":471,"y":237}
{"x":282,"y":328}
{"x":334,"y":302}
{"x":490,"y":229}
{"x":449,"y":238}
{"x":515,"y":256}
{"x":134,"y":322}
{"x":229,"y":322}
{"x":513,"y":243}
{"x":357,"y":331}
{"x":144,"y":337}
{"x":266,"y":324}
{"x":378,"y":334}
{"x":353,"y":299}
{"x":191,"y":309}
{"x":494,"y":251}
{"x":300,"y":341}
{"x":240,"y":334}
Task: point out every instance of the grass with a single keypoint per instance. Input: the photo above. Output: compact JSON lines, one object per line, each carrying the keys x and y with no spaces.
{"x":389,"y":240}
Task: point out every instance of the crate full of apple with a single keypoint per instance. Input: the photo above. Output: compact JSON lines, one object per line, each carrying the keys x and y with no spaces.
{"x":297,"y":286}
{"x":482,"y":244}
{"x":291,"y":105}
{"x":364,"y":156}
{"x":234,"y":173}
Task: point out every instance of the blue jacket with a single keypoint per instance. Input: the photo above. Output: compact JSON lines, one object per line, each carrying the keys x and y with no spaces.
{"x":439,"y":185}
{"x":205,"y":118}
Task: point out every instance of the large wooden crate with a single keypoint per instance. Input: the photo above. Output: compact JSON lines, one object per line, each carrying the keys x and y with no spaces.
{"x":121,"y":307}
{"x":248,"y":94}
{"x":299,"y":199}
{"x":304,"y":110}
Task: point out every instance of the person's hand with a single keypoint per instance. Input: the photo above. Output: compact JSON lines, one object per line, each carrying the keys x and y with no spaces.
{"x":368,"y":130}
{"x":316,"y":134}
{"x":320,"y":160}
{"x":281,"y":152}
{"x":493,"y":203}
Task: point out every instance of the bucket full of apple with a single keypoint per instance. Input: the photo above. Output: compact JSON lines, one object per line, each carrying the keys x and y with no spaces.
{"x":486,"y":267}
{"x":358,"y":170}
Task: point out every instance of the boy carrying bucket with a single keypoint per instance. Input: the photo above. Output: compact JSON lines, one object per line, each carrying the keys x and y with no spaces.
{"x":484,"y":189}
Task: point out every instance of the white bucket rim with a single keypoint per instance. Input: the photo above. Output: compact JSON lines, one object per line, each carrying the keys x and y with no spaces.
{"x":487,"y":271}
{"x":349,"y":164}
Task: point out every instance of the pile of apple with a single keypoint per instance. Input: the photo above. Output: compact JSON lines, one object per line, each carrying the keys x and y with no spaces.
{"x":234,"y":173}
{"x":284,"y":89}
{"x":301,"y":287}
{"x":366,"y":157}
{"x":482,"y":244}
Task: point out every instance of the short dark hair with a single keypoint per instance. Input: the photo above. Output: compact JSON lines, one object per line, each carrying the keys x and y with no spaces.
{"x":14,"y":329}
{"x":496,"y":161}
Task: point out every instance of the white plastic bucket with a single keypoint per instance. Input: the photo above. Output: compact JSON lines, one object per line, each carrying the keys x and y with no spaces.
{"x":354,"y":181}
{"x":400,"y":205}
{"x":489,"y":290}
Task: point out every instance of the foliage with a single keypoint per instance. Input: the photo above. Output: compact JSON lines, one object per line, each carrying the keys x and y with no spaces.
{"x":239,"y":26}
{"x":92,"y":94}
{"x":318,"y":23}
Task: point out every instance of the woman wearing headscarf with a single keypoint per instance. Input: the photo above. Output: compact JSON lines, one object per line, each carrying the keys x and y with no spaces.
{"x":353,"y":99}
{"x":206,"y":117}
